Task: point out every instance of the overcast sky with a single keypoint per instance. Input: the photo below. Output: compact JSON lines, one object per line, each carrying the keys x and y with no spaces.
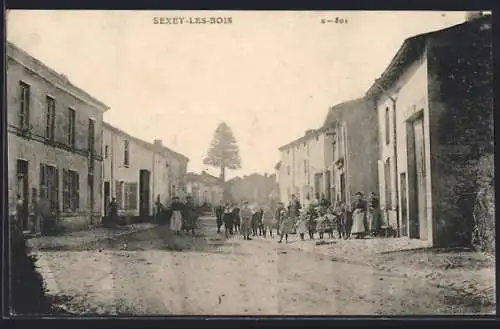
{"x":269,"y":75}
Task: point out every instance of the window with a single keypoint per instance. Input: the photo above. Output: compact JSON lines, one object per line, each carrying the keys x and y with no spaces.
{"x":71,"y":190}
{"x":130,"y":200}
{"x":288,"y":170}
{"x":387,"y":127}
{"x":126,"y":153}
{"x":387,"y":174}
{"x":119,"y":194}
{"x":24,"y":109}
{"x":91,"y":135}
{"x":71,"y":127}
{"x":51,"y":118}
{"x":334,"y":150}
{"x":305,"y":167}
{"x":49,"y":185}
{"x":106,"y":150}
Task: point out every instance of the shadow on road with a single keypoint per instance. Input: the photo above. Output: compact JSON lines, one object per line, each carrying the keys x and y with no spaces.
{"x":158,"y":238}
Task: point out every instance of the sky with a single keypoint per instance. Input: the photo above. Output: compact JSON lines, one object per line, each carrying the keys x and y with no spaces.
{"x":269,"y":75}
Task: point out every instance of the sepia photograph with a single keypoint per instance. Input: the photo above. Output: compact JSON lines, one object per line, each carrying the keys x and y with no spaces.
{"x":250,"y":163}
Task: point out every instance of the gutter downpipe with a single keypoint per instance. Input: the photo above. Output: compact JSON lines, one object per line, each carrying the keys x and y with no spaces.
{"x":394,"y":101}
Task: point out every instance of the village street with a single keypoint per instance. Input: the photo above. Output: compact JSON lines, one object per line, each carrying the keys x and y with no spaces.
{"x":152,"y":272}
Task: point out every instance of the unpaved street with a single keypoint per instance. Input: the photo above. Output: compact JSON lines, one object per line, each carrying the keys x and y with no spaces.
{"x":147,"y":274}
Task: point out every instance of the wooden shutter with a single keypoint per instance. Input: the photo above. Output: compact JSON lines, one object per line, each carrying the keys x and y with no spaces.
{"x":43,"y":187}
{"x":77,"y":191}
{"x":66,"y":195}
{"x":132,"y":195}
{"x":56,"y":189}
{"x":119,"y":198}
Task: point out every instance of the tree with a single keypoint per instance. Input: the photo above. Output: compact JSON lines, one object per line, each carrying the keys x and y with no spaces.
{"x":223,"y":152}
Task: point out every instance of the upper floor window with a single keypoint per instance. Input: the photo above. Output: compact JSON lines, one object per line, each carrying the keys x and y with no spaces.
{"x":71,"y":127}
{"x":106,"y":150}
{"x":24,"y":108}
{"x":288,"y":170}
{"x":387,"y":127}
{"x":91,"y":135}
{"x":305,"y":167}
{"x":126,"y":153}
{"x":50,"y":117}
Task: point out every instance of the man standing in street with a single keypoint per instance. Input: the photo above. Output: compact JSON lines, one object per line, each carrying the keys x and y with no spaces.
{"x":246,"y":221}
{"x":219,"y":212}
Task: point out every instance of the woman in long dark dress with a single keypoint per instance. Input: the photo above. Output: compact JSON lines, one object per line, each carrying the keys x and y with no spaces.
{"x":358,"y":209}
{"x":236,"y":219}
{"x":176,"y":219}
{"x":190,"y":216}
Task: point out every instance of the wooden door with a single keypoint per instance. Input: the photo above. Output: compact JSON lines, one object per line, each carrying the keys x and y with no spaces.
{"x":420,"y":179}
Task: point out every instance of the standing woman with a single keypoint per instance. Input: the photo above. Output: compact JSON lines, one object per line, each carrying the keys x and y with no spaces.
{"x":246,"y":219}
{"x":236,"y":219}
{"x":190,"y":214}
{"x":374,"y":214}
{"x":176,"y":220}
{"x":358,"y":209}
{"x":228,"y":221}
{"x":267,"y":221}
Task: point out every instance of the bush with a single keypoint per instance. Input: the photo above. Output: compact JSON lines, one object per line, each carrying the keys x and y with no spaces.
{"x":484,"y":207}
{"x":27,"y":289}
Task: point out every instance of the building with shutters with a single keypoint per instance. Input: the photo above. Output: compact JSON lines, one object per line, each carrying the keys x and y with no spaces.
{"x":54,"y":141}
{"x":351,"y":149}
{"x":434,"y":104}
{"x":302,"y":169}
{"x":138,"y":173}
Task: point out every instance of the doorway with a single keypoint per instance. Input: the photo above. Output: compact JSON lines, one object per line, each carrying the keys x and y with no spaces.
{"x":404,"y":208}
{"x":417,"y":176}
{"x":23,"y":191}
{"x":328,"y":189}
{"x":107,"y":195}
{"x":144,"y":191}
{"x":342,"y":188}
{"x":90,"y":184}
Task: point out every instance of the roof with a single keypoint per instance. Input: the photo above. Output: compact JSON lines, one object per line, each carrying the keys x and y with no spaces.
{"x":335,"y":112}
{"x":144,"y":143}
{"x":410,"y":51}
{"x":57,"y":79}
{"x":310,"y":134}
{"x":203,"y":177}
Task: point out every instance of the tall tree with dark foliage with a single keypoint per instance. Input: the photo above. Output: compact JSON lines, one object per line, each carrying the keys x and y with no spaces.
{"x":224,"y":151}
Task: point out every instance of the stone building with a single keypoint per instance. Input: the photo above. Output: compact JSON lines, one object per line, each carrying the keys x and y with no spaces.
{"x":351,"y":150}
{"x":138,"y":173}
{"x":254,"y":188}
{"x":435,"y":111}
{"x":54,"y":141}
{"x":204,"y":188}
{"x":302,"y":167}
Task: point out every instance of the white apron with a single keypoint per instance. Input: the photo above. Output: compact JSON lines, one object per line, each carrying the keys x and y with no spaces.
{"x":358,"y":225}
{"x":176,"y":221}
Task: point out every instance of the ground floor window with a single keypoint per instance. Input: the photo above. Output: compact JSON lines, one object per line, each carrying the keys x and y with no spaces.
{"x":49,"y":185}
{"x":130,"y":196}
{"x":71,"y":190}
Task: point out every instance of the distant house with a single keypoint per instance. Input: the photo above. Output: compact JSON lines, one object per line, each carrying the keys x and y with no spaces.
{"x":138,"y":173}
{"x":204,"y":188}
{"x":434,"y":104}
{"x":255,"y":188}
{"x":302,"y":167}
{"x":351,"y":147}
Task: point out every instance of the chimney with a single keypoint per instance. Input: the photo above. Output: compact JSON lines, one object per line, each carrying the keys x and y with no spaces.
{"x":472,"y":15}
{"x":158,"y":142}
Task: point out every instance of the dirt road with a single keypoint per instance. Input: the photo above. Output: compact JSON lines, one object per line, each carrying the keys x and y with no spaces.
{"x":210,"y":276}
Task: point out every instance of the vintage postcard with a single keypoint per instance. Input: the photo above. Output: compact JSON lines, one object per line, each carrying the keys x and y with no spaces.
{"x":250,"y":163}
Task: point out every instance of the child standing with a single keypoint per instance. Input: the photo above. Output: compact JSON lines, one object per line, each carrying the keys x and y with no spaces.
{"x":302,"y":225}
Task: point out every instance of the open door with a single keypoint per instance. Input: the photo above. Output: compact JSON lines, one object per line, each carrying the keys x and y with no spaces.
{"x":23,"y":191}
{"x":144,"y":193}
